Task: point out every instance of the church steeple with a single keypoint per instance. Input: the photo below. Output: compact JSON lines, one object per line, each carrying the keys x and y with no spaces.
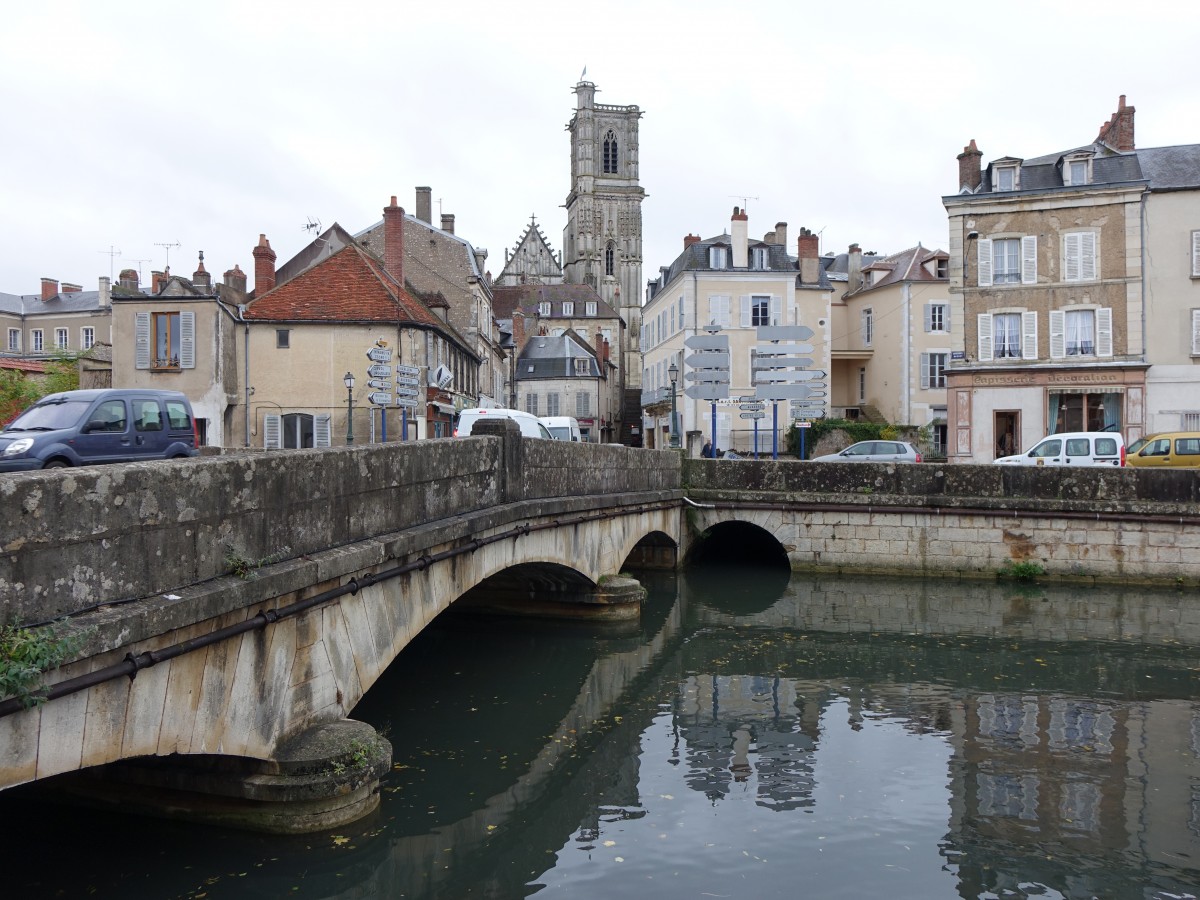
{"x":602,"y":241}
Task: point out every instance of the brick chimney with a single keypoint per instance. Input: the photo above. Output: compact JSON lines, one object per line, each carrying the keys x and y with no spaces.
{"x":854,"y":267}
{"x":157,"y":280}
{"x":201,"y":278}
{"x":739,"y":227}
{"x":970,"y":171}
{"x":808,"y":247}
{"x":425,"y":205}
{"x":393,"y":241}
{"x":689,"y":239}
{"x":1117,"y":132}
{"x":71,"y":288}
{"x":518,"y":332}
{"x":264,"y":266}
{"x":235,"y":278}
{"x":448,"y":223}
{"x":49,"y":288}
{"x":128,"y":279}
{"x":105,"y":292}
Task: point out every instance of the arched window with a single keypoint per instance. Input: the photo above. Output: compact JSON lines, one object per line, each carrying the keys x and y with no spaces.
{"x":297,"y":431}
{"x":610,"y":153}
{"x":609,"y":254}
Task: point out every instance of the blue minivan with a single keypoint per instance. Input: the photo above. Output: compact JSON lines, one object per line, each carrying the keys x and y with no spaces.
{"x":77,"y":428}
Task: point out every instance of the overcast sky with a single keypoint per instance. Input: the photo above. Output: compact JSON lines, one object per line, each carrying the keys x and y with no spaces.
{"x":133,"y":125}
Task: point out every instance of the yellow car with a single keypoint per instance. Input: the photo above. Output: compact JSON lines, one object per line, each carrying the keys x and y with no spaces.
{"x":1176,"y":449}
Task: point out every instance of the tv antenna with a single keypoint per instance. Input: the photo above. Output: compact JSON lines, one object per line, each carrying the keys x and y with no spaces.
{"x":112,"y":253}
{"x":166,"y":247}
{"x":745,"y":200}
{"x":139,"y":265}
{"x":313,"y":225}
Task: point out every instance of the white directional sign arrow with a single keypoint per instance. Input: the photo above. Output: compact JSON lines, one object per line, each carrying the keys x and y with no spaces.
{"x":408,"y":371}
{"x":707,"y":342}
{"x":379,"y":371}
{"x":782,"y":362}
{"x":782,"y":376}
{"x":380,"y":354}
{"x":708,"y":376}
{"x":769,"y":350}
{"x":710,"y":359}
{"x":784,"y":333}
{"x":381,"y":398}
{"x":707,"y":391}
{"x":783,"y":391}
{"x":380,"y":383}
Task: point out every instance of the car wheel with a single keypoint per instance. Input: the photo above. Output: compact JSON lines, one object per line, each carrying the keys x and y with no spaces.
{"x":56,"y":464}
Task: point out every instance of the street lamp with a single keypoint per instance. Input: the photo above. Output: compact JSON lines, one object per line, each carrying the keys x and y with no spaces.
{"x":673,"y":374}
{"x":348,"y":381}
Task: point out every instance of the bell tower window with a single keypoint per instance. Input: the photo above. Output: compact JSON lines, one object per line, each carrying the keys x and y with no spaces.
{"x":609,"y":254}
{"x":610,"y":153}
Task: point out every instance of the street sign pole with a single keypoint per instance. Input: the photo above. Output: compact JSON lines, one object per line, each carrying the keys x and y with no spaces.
{"x":756,"y":438}
{"x":404,"y":423}
{"x":713,"y":448}
{"x":774,"y":430}
{"x":383,"y":422}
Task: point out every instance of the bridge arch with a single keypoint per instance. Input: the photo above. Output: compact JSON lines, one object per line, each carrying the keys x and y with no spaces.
{"x":740,"y":540}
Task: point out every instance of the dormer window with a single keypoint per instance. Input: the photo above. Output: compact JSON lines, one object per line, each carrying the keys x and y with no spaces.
{"x":1077,"y":171}
{"x":718,"y":257}
{"x":1006,"y":178}
{"x":544,"y":308}
{"x":568,"y":308}
{"x":589,"y":308}
{"x":761,"y":258}
{"x":943,"y":267}
{"x":581,"y":366}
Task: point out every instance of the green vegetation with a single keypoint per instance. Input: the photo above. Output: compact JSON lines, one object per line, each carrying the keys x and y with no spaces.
{"x":244,"y":567}
{"x":26,"y":653}
{"x":1021,"y":571}
{"x":19,"y":391}
{"x":855,"y":430}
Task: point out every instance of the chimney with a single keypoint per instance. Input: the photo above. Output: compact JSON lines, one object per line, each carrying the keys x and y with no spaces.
{"x":689,"y":239}
{"x":970,"y":172}
{"x":807,"y":250}
{"x":518,"y":332}
{"x":854,"y":268}
{"x":448,"y":223}
{"x":201,"y":278}
{"x":49,"y":288}
{"x":105,"y":291}
{"x":157,"y":279}
{"x":71,"y":288}
{"x":128,"y":279}
{"x":425,"y":205}
{"x":739,"y":226}
{"x":1117,"y":132}
{"x":393,"y":241}
{"x":780,"y":234}
{"x":235,"y":278}
{"x":264,"y":266}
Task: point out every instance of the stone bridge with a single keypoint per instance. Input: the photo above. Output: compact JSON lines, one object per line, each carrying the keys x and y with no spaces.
{"x":231,"y":611}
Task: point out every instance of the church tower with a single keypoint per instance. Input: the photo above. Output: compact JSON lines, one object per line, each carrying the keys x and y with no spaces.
{"x":602,"y":242}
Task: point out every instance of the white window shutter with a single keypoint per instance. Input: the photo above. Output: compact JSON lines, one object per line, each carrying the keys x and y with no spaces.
{"x":1087,"y":256}
{"x":776,"y":310}
{"x":714,"y":311}
{"x":1029,"y":259}
{"x":924,"y":371}
{"x":1196,"y":332}
{"x":745,"y":311}
{"x":984,"y":329}
{"x":273,"y":431}
{"x":1196,"y":252}
{"x":929,"y":317}
{"x":984,"y":257}
{"x":1071,"y":256}
{"x":1029,"y":347}
{"x":187,"y":340}
{"x":1058,"y":337}
{"x":1104,"y":335}
{"x":323,"y":430}
{"x":141,"y":340}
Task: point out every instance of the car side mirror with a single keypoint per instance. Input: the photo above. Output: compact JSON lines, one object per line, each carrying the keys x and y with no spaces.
{"x":94,"y":425}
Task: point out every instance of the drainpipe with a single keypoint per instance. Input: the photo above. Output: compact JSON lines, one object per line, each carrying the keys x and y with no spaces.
{"x":246,"y":385}
{"x":906,"y":356}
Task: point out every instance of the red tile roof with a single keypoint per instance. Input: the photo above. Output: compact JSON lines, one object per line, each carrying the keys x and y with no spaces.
{"x":350,"y":286}
{"x":36,"y":366}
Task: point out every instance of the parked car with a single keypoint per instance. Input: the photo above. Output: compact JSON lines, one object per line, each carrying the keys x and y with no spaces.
{"x":1170,"y":449}
{"x":563,"y":428}
{"x":530,"y":425}
{"x":1074,"y":448}
{"x":76,"y":428}
{"x":874,"y":451}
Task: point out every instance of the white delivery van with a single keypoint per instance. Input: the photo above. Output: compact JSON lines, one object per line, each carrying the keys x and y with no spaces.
{"x":1074,"y":448}
{"x":562,"y":428}
{"x":530,"y":425}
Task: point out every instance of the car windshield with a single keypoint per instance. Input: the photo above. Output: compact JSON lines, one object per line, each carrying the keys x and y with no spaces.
{"x":50,"y":416}
{"x":561,"y":434}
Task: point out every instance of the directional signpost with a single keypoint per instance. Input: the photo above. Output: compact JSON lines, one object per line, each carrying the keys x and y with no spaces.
{"x":781,"y":371}
{"x":709,"y":375}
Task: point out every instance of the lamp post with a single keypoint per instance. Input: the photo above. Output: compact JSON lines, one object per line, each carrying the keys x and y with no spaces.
{"x":673,"y":374}
{"x":348,"y":380}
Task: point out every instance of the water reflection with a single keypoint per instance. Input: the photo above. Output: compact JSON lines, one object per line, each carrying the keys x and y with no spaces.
{"x":760,"y":736}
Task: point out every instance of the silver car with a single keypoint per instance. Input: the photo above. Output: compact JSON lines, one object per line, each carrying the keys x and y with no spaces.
{"x":874,"y":451}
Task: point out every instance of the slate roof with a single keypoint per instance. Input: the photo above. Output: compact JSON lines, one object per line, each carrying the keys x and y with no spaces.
{"x":1171,"y":168}
{"x":694,"y":258}
{"x":554,"y":357}
{"x":33,"y":305}
{"x":1161,"y":168}
{"x":907,"y":265}
{"x":526,"y":297}
{"x":349,"y":286}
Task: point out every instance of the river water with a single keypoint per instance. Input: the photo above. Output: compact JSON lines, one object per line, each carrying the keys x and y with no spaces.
{"x":755,"y":735}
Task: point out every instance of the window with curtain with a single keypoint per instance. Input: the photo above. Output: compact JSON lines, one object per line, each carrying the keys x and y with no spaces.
{"x":1081,"y":332}
{"x":1006,"y":335}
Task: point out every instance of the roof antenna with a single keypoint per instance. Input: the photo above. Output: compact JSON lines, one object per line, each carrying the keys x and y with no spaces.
{"x":112,"y":252}
{"x":744,"y":199}
{"x":313,"y":225}
{"x":167,"y":247}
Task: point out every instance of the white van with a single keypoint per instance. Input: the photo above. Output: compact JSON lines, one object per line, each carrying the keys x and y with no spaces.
{"x":1073,"y":448}
{"x":562,"y":428}
{"x":530,"y":425}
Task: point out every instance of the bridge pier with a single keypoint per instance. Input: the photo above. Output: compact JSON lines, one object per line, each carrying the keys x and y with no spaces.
{"x":323,"y":778}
